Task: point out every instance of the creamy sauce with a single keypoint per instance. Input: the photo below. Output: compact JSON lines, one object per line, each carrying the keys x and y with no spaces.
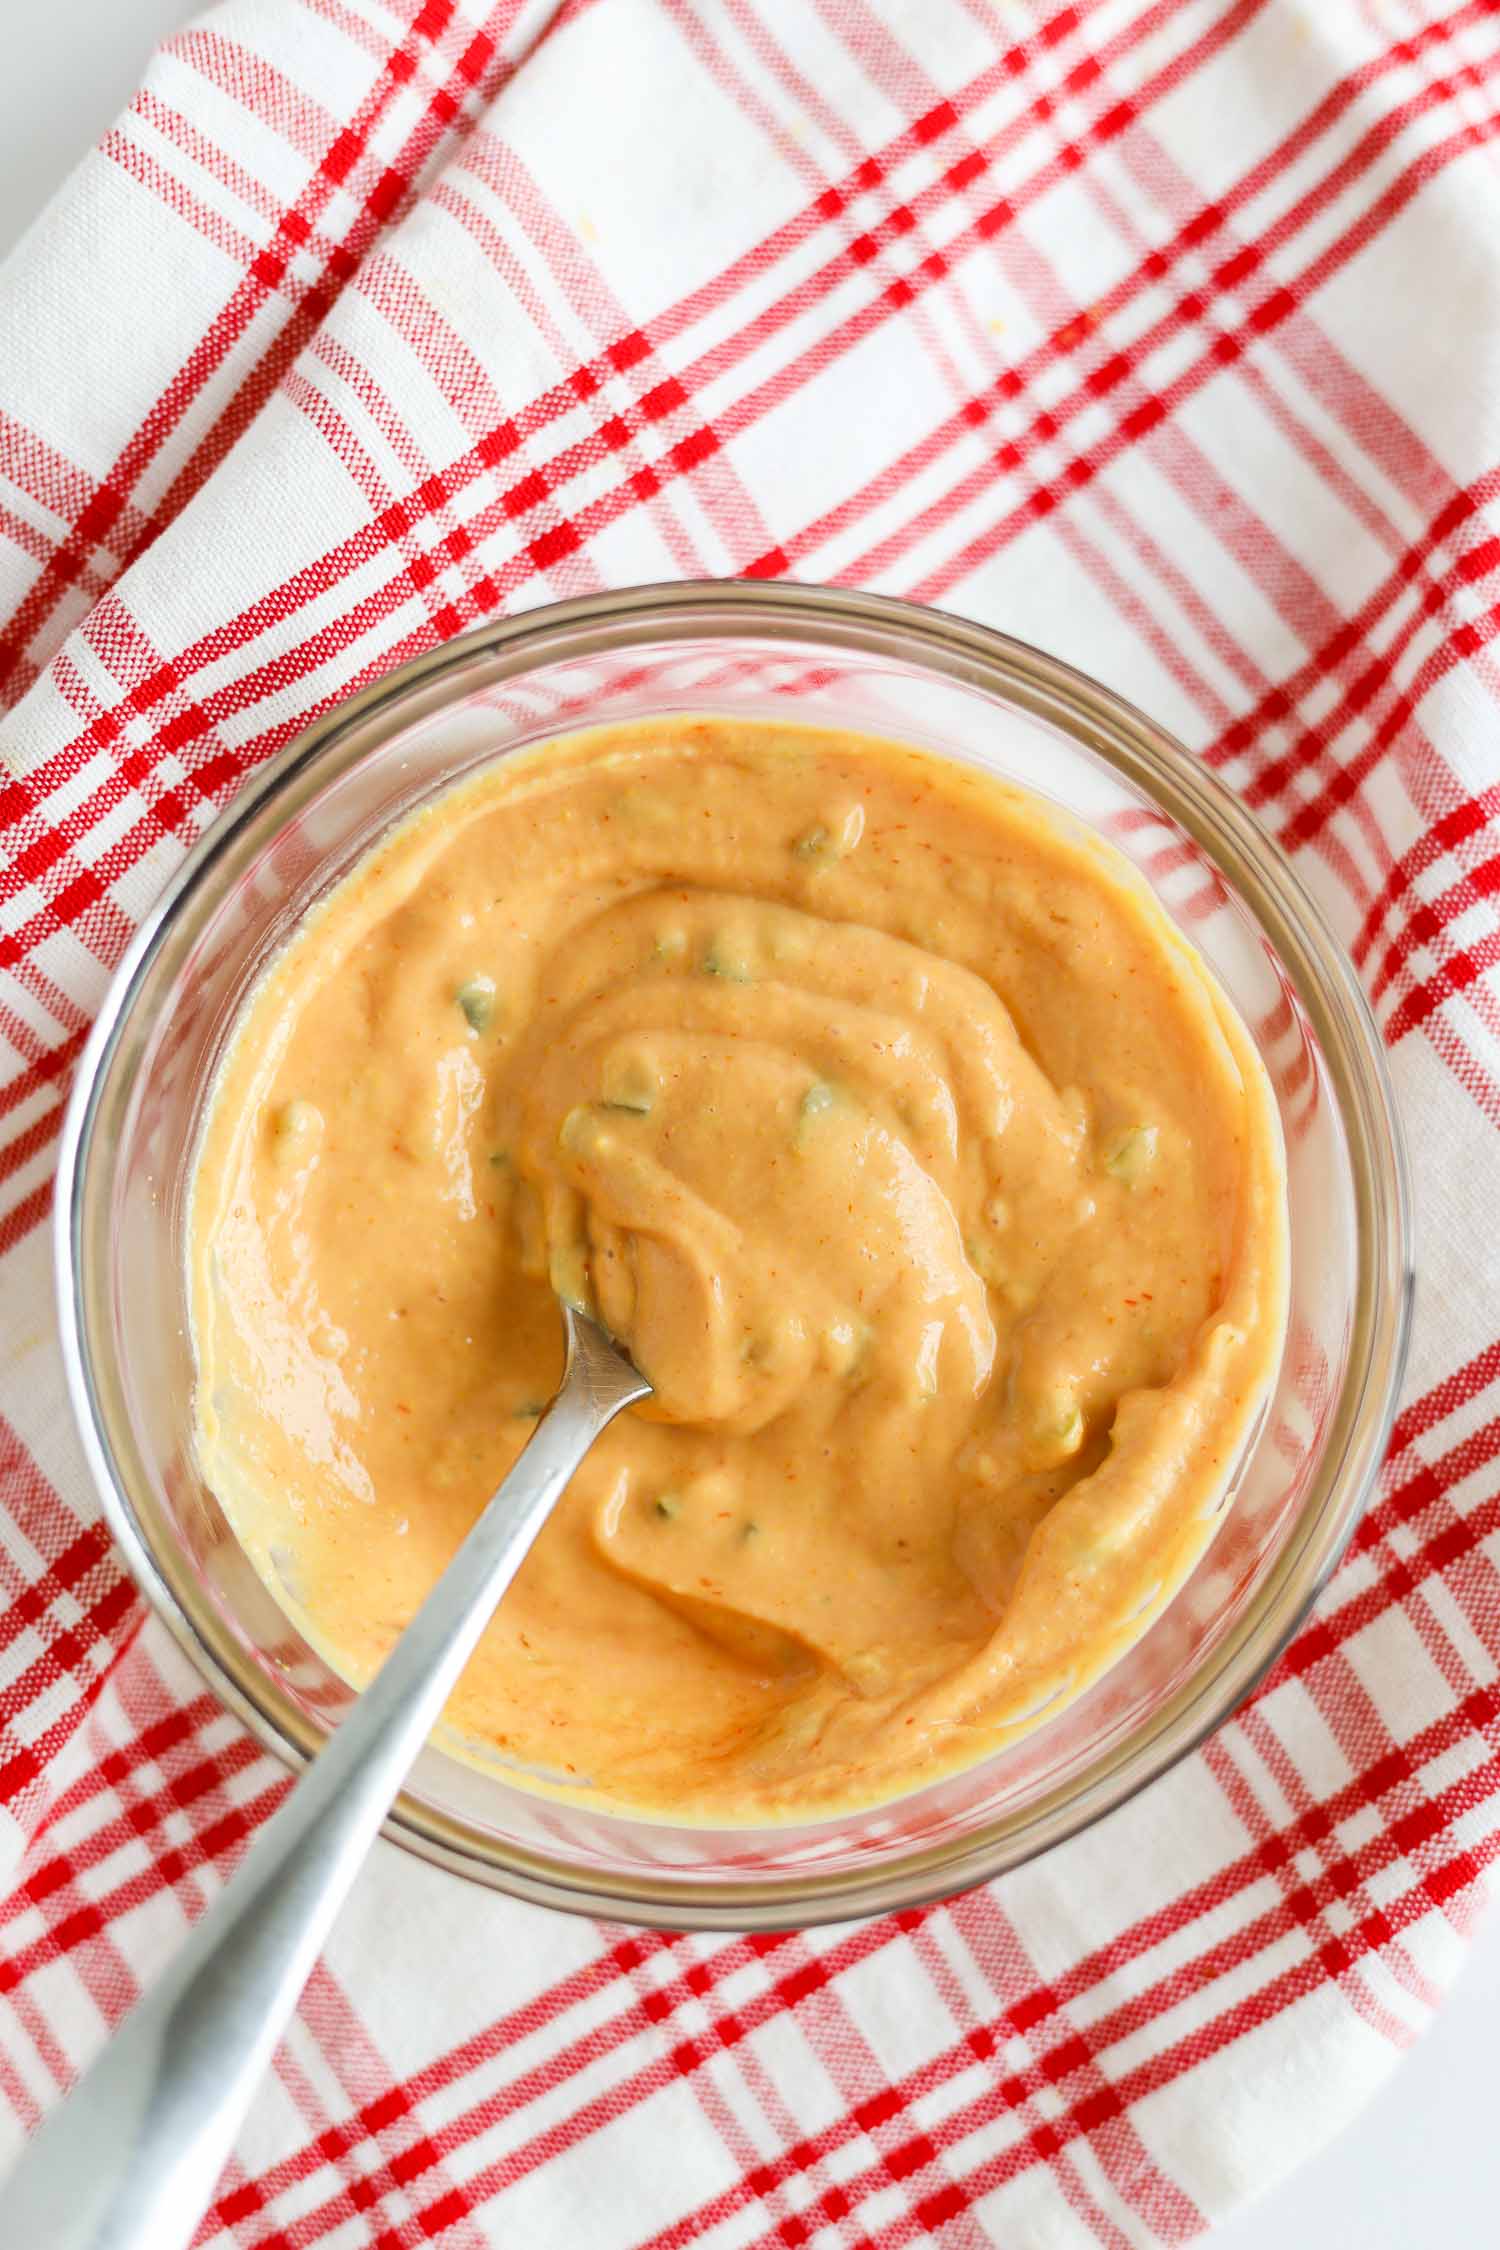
{"x":883,"y":1112}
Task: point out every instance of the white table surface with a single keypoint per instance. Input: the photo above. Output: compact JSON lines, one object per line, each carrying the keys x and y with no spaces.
{"x":1420,"y":2170}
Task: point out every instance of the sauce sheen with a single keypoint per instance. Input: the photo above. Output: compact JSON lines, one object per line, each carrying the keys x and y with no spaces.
{"x":884,"y":1114}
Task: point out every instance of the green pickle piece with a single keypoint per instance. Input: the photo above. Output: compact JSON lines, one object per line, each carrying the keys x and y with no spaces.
{"x":1131,"y":1155}
{"x":476,"y":1000}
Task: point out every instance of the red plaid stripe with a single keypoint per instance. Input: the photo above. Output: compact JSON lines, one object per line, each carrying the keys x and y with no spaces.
{"x":1070,"y":325}
{"x":398,"y":521}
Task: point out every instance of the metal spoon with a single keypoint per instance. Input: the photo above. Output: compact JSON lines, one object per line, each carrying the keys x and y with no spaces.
{"x":130,"y":2159}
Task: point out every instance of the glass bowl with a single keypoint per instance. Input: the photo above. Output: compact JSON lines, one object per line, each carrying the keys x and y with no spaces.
{"x":850,"y":660}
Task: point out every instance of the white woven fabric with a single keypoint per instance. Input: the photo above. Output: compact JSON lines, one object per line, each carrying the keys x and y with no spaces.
{"x":1161,"y":335}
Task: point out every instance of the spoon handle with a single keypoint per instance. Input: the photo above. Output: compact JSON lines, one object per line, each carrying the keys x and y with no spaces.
{"x":130,"y":2160}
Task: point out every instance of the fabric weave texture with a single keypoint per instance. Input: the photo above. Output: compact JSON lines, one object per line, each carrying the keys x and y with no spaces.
{"x":1162,"y":335}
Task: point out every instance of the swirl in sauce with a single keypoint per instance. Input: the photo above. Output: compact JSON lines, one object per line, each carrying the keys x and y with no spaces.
{"x":884,"y":1114}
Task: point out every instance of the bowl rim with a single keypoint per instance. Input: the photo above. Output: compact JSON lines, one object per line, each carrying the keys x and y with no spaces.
{"x":1190,"y":796}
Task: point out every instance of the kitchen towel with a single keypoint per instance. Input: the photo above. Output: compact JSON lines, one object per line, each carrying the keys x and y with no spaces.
{"x":1163,"y":335}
